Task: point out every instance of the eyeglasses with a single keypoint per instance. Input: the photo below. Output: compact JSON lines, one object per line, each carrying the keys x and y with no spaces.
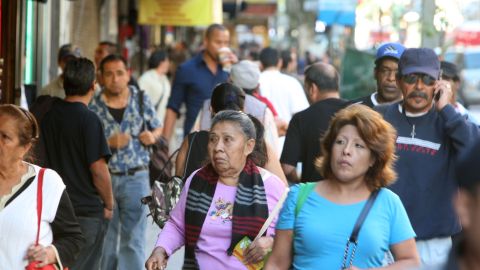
{"x":413,"y":79}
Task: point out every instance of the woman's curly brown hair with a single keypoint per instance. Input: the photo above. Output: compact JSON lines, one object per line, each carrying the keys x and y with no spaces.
{"x":379,"y":136}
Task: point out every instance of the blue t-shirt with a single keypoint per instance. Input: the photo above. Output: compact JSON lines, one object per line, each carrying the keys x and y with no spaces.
{"x":322,"y":229}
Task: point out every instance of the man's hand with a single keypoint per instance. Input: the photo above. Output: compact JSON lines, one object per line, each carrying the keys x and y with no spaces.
{"x":118,"y":140}
{"x":444,"y":91}
{"x":147,"y":138}
{"x":107,"y":213}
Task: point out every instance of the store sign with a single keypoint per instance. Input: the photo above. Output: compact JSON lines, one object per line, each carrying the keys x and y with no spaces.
{"x":337,"y":12}
{"x":180,"y":12}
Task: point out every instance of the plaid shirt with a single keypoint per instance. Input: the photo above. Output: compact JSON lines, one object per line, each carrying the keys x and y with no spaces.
{"x":134,"y":154}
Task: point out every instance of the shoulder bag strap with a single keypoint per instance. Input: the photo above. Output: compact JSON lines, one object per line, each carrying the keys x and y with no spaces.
{"x":140,"y":106}
{"x":272,"y":214}
{"x":363,"y":216}
{"x":157,"y":105}
{"x":305,"y":190}
{"x":190,"y":143}
{"x":356,"y":229}
{"x":39,"y":201}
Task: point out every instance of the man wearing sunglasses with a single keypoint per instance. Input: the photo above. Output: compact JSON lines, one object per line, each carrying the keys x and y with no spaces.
{"x":385,"y":71}
{"x":430,"y":134}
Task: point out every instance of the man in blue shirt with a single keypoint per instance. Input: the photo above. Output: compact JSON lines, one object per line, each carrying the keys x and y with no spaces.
{"x":431,"y":134}
{"x":195,"y":79}
{"x":118,"y":107}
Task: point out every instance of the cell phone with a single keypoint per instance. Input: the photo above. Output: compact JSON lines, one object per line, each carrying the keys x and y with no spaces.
{"x":439,"y":92}
{"x":437,"y":95}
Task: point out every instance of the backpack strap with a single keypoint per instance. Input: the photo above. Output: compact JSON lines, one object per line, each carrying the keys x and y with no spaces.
{"x":305,"y":190}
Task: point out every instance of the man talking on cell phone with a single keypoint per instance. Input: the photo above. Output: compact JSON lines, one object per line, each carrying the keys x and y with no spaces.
{"x":430,"y":135}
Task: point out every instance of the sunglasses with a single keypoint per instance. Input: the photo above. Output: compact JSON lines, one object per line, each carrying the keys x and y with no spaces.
{"x":413,"y":79}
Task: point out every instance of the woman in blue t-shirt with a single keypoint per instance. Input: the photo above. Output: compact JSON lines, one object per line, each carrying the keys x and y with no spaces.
{"x":358,"y":155}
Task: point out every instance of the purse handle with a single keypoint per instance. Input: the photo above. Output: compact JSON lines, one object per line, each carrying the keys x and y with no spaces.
{"x":273,"y":214}
{"x":356,"y":229}
{"x":39,"y":202}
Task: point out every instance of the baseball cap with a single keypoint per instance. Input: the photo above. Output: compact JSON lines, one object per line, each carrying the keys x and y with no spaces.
{"x":391,"y":49}
{"x":68,"y":50}
{"x":419,"y":60}
{"x":245,"y":74}
{"x":449,"y":70}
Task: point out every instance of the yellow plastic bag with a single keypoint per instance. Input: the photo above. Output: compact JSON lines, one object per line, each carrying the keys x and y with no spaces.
{"x":240,"y":248}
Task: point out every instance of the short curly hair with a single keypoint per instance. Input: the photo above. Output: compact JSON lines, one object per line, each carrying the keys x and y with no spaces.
{"x":379,"y":136}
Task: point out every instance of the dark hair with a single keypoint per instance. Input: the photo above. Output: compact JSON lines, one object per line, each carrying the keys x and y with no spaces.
{"x":112,"y":58}
{"x":27,"y":126}
{"x":259,"y":154}
{"x":156,"y":58}
{"x":212,"y":28}
{"x":324,"y":76}
{"x":78,"y":76}
{"x":111,"y":47}
{"x":227,"y":96}
{"x":251,"y":129}
{"x":286,"y":56}
{"x":379,"y":136}
{"x":269,"y":57}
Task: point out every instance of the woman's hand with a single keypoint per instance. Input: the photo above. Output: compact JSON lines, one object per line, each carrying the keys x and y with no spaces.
{"x":42,"y":255}
{"x":258,"y":249}
{"x":353,"y":268}
{"x":158,"y":259}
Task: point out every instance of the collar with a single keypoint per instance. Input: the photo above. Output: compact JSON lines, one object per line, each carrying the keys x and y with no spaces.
{"x":198,"y":59}
{"x":400,"y":109}
{"x":270,"y":71}
{"x":373,"y":98}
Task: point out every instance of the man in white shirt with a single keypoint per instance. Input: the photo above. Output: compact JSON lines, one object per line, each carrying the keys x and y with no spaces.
{"x":285,"y":92}
{"x":155,"y":82}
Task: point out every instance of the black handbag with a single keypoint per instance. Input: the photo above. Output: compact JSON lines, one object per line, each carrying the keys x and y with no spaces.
{"x":159,"y":168}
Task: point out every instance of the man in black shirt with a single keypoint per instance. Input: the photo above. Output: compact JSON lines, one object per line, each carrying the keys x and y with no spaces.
{"x":302,"y":143}
{"x":386,"y":67}
{"x":76,"y":147}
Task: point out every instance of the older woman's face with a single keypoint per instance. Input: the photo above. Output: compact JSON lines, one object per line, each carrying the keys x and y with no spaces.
{"x":351,"y":158}
{"x":10,"y":148}
{"x":228,"y":148}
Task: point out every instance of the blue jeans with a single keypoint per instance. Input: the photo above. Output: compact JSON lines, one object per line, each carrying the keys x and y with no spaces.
{"x":128,"y":224}
{"x":93,"y":230}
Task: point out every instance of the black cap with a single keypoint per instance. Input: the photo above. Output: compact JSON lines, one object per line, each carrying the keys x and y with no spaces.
{"x":419,"y":60}
{"x":449,"y":70}
{"x":467,"y":168}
